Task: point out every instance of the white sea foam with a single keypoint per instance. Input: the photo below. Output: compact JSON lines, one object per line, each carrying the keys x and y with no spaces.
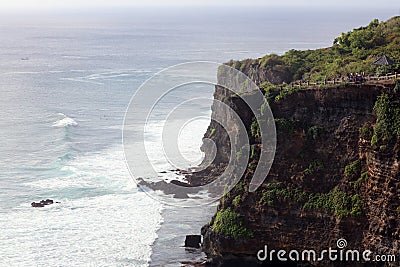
{"x":102,"y":170}
{"x":65,"y":121}
{"x":97,"y":76}
{"x":74,"y":57}
{"x":112,"y":229}
{"x":81,"y":79}
{"x":105,"y":170}
{"x":189,"y":142}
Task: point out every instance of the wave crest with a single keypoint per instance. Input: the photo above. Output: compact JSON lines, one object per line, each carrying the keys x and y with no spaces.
{"x":65,"y":121}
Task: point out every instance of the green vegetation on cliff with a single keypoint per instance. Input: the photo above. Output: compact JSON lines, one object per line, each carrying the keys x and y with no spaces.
{"x":314,"y":166}
{"x":284,"y":126}
{"x":230,"y":224}
{"x":366,"y":132}
{"x":275,"y":192}
{"x":352,"y":170}
{"x":335,"y":201}
{"x":387,"y":126}
{"x":364,"y":176}
{"x":324,"y":169}
{"x":352,"y":52}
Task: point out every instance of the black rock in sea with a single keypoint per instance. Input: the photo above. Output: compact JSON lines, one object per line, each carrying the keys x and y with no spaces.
{"x":192,"y":241}
{"x":42,"y":203}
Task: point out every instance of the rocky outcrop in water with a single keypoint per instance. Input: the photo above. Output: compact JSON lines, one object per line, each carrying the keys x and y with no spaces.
{"x":42,"y":203}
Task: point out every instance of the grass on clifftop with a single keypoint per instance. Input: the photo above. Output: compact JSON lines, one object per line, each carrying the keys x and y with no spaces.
{"x":352,"y":52}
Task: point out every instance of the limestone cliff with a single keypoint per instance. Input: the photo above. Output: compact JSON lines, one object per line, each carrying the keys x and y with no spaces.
{"x":336,"y":169}
{"x":329,"y":179}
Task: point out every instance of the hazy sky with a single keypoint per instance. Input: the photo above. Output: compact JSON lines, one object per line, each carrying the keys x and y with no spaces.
{"x":4,"y":4}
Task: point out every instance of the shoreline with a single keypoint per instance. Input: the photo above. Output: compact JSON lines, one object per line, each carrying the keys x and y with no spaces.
{"x":172,"y":216}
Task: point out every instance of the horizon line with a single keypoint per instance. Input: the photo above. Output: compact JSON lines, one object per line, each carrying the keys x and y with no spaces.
{"x":73,"y":5}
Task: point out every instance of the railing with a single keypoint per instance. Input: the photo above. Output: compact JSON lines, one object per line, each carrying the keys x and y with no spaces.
{"x":383,"y":78}
{"x":354,"y":80}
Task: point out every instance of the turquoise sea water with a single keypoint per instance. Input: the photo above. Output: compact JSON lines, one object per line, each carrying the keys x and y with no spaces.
{"x":65,"y":82}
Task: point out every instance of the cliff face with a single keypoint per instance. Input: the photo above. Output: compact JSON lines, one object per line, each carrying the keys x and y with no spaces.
{"x":327,"y":181}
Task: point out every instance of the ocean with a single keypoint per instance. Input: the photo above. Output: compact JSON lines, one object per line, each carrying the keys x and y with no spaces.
{"x":66,"y":79}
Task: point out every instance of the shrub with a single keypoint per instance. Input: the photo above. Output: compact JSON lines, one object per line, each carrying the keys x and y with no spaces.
{"x":337,"y":202}
{"x":366,"y":132}
{"x":225,"y":196}
{"x":364,"y":176}
{"x":374,"y":140}
{"x":269,"y":194}
{"x":382,"y":131}
{"x":267,"y":198}
{"x":353,"y":169}
{"x":241,"y":186}
{"x":252,"y":166}
{"x":255,"y":129}
{"x":267,"y":86}
{"x":229,"y":224}
{"x":287,"y":90}
{"x":277,"y":192}
{"x":212,"y":132}
{"x":243,"y":151}
{"x":356,"y":205}
{"x":314,"y":131}
{"x":314,"y":166}
{"x":236,"y":201}
{"x":253,"y":152}
{"x":397,"y":86}
{"x":285,"y":126}
{"x":387,"y":125}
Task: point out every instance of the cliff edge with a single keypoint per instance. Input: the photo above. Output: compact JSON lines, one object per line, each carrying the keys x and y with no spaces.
{"x":335,"y":175}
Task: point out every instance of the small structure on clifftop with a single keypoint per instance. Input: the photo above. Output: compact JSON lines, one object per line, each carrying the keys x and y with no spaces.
{"x":384,"y":64}
{"x":384,"y":61}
